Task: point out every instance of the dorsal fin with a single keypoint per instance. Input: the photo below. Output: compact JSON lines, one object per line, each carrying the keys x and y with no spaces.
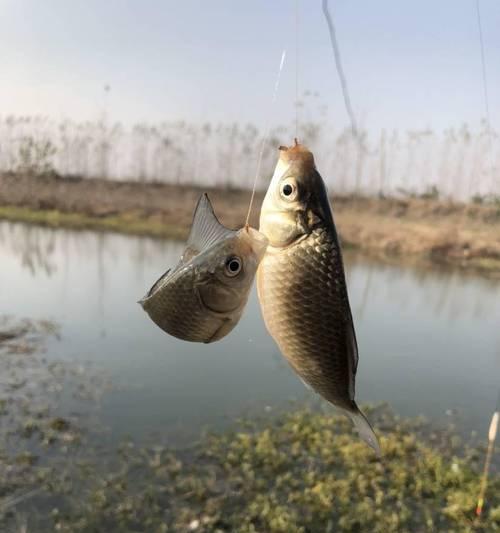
{"x":206,"y":229}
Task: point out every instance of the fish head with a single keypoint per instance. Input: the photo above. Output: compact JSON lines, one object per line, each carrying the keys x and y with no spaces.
{"x":203,"y":297}
{"x":296,"y":199}
{"x":225,"y":273}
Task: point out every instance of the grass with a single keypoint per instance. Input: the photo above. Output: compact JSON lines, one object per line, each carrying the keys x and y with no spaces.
{"x":130,"y":223}
{"x":424,"y":239}
{"x":486,"y":264}
{"x":302,"y":471}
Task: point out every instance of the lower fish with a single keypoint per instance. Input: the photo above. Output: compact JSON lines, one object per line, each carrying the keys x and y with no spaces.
{"x":203,"y":297}
{"x":302,"y":288}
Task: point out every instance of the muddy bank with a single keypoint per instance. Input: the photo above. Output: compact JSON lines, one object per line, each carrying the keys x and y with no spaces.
{"x":409,"y":229}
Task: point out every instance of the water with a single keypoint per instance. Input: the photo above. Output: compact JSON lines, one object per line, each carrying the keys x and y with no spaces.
{"x":429,"y":340}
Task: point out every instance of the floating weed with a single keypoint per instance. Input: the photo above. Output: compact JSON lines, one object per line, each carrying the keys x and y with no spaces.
{"x":299,"y":472}
{"x":304,"y":472}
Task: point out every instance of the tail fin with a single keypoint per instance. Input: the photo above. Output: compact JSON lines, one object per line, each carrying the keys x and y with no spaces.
{"x":364,"y":429}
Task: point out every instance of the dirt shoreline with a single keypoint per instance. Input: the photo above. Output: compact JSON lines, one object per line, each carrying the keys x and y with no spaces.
{"x":413,"y":230}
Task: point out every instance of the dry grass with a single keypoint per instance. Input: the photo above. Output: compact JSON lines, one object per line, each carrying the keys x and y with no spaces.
{"x":413,"y":229}
{"x":459,"y":162}
{"x":463,"y":235}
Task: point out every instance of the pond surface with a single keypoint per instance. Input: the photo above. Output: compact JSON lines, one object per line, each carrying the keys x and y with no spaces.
{"x":429,"y":340}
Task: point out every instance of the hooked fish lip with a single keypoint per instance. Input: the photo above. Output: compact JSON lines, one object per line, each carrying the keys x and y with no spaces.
{"x":258,"y":241}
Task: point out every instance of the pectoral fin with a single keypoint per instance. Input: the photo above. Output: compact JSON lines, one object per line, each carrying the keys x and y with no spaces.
{"x":226,"y":326}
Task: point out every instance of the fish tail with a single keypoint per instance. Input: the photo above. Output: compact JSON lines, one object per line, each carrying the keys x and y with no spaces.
{"x":364,"y":429}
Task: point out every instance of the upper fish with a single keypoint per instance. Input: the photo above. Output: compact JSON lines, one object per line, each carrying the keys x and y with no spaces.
{"x":302,"y":288}
{"x":203,"y":297}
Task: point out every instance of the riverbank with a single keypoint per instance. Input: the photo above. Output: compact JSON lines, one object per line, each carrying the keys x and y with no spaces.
{"x":425,"y":230}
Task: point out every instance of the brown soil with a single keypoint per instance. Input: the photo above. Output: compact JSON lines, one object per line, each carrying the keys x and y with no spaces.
{"x":409,"y":228}
{"x":171,"y":204}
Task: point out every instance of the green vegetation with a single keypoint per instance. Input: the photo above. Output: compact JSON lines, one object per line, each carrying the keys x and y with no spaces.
{"x":303,"y":472}
{"x":485,"y":264}
{"x":298,"y":472}
{"x":425,"y":253}
{"x":131,"y":223}
{"x":488,"y":199}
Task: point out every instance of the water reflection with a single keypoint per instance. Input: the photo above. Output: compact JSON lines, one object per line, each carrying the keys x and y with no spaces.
{"x":429,"y":340}
{"x":33,"y":245}
{"x":445,"y":293}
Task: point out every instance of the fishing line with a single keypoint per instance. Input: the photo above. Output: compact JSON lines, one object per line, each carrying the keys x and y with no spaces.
{"x":265,"y":138}
{"x":493,"y":429}
{"x":340,"y":70}
{"x":489,"y":147}
{"x":296,"y":69}
{"x":483,"y":65}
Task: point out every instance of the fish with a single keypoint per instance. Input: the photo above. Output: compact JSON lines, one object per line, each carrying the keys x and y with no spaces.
{"x":302,"y":288}
{"x":203,"y":297}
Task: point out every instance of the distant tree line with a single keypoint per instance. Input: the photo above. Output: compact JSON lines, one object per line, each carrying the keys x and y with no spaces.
{"x":457,"y":163}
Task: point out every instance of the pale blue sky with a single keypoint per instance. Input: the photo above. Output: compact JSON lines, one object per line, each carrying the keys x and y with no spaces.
{"x":409,"y":64}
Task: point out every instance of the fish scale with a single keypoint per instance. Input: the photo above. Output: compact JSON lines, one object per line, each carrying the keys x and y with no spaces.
{"x":302,"y":288}
{"x":203,"y":297}
{"x":184,"y":316}
{"x":304,"y":322}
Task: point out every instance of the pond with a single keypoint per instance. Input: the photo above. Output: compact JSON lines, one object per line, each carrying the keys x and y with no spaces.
{"x":429,"y":339}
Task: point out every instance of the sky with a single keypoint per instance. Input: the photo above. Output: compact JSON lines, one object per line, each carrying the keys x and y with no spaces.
{"x":409,"y":65}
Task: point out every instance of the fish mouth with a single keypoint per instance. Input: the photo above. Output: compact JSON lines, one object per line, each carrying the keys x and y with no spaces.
{"x":257,"y":241}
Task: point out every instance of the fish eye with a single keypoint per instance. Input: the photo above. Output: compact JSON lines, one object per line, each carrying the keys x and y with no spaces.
{"x":233,"y":266}
{"x":288,"y":190}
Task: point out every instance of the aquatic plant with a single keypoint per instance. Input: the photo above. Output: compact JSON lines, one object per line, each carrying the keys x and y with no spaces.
{"x":296,"y":472}
{"x":300,"y":472}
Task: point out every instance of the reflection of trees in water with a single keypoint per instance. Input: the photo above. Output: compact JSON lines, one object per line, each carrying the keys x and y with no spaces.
{"x":161,"y":253}
{"x":47,"y":251}
{"x":101,"y":270}
{"x":444,"y":293}
{"x":437,"y":292}
{"x":365,"y":292}
{"x":33,"y":245}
